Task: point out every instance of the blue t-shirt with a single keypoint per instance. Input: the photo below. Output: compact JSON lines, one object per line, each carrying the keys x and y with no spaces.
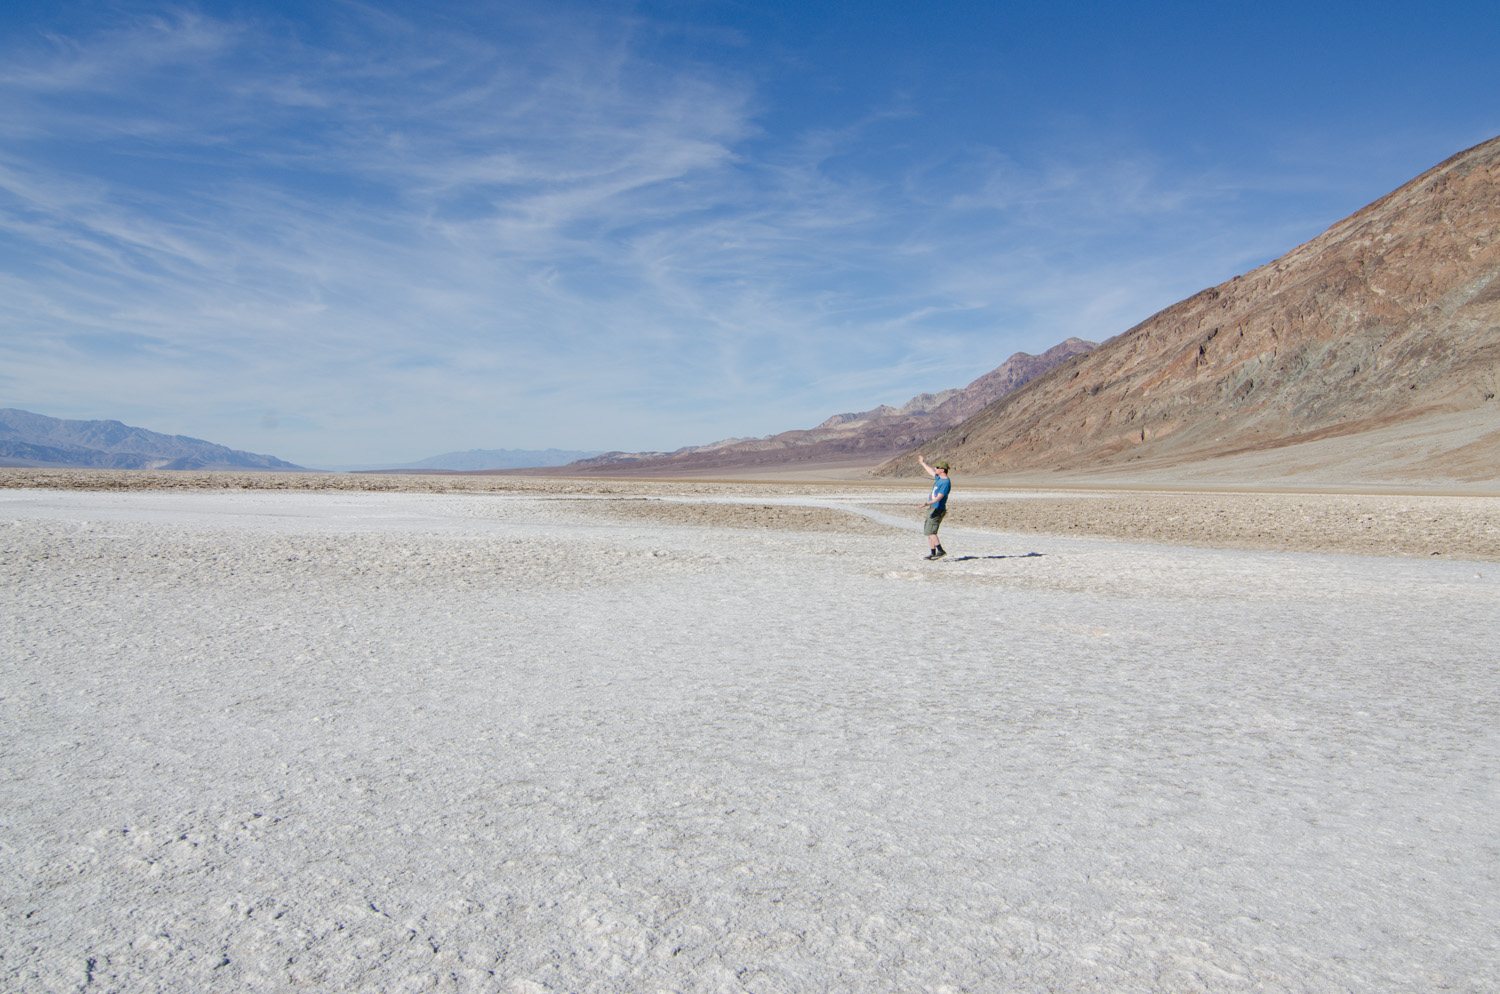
{"x":940,"y":487}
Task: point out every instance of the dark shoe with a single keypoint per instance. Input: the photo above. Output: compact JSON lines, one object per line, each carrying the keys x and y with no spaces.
{"x":939,"y":552}
{"x":932,"y":555}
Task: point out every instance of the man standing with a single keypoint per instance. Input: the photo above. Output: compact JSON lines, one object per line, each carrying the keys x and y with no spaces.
{"x":937,"y":505}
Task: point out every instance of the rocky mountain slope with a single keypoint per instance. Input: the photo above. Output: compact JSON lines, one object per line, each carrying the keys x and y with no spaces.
{"x":1371,"y":353}
{"x":867,"y":436}
{"x":28,"y":439}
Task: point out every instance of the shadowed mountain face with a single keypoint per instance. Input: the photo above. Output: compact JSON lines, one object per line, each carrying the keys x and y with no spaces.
{"x":1375,"y":348}
{"x":865,"y":437}
{"x":28,"y":439}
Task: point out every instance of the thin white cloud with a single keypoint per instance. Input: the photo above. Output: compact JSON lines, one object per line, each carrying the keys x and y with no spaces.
{"x":416,"y":238}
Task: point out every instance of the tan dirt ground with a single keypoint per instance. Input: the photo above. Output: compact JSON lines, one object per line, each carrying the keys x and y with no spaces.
{"x":1455,"y":526}
{"x":807,"y":519}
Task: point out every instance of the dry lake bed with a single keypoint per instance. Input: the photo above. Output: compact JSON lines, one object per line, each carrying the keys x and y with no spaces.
{"x":672,"y":738}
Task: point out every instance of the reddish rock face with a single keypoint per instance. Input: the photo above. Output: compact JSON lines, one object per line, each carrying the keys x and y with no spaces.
{"x":1390,"y":317}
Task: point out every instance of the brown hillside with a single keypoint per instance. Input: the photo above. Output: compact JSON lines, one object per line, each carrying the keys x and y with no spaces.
{"x":1375,"y":347}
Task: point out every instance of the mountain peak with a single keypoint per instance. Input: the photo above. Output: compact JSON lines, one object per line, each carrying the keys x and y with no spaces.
{"x":866,"y":437}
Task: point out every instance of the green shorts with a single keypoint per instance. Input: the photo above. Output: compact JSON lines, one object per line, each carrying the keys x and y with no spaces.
{"x":934,"y":518}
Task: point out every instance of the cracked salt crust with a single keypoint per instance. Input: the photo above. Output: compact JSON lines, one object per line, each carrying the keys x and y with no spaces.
{"x":472,"y":743}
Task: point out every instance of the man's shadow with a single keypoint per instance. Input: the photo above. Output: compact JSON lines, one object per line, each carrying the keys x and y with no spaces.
{"x":965,"y":559}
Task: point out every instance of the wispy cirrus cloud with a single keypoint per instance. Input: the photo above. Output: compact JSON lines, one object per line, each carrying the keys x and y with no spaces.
{"x":390,"y":234}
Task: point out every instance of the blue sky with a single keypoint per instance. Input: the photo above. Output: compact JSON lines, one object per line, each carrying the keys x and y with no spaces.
{"x":375,"y":231}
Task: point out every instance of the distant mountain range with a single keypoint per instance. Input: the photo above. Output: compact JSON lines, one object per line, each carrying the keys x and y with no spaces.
{"x":1369,"y":354}
{"x":28,"y":439}
{"x":478,"y":460}
{"x":866,"y":437}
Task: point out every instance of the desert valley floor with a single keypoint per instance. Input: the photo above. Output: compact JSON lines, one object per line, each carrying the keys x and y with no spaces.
{"x":635,"y":740}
